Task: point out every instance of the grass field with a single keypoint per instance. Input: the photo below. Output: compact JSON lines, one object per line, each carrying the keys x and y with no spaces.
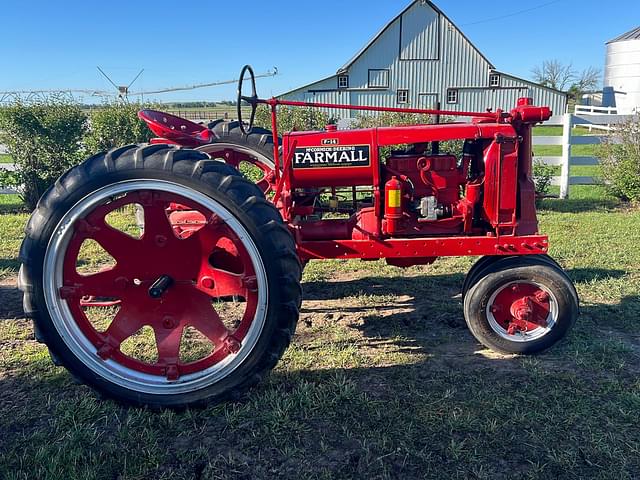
{"x":4,"y":158}
{"x":383,"y":380}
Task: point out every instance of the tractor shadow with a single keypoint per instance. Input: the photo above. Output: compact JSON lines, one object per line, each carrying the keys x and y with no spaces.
{"x":10,"y":264}
{"x":10,"y":300}
{"x":13,"y":207}
{"x":577,"y":205}
{"x":423,"y":315}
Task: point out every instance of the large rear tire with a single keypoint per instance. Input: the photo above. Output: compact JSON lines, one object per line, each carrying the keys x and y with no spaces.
{"x":241,"y":253}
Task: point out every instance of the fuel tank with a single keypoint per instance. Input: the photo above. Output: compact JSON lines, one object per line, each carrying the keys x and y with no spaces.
{"x":332,"y":158}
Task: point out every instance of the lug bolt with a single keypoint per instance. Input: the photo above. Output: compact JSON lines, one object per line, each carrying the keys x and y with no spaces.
{"x":524,"y":315}
{"x":168,"y":322}
{"x":232,"y":345}
{"x":215,"y":220}
{"x":83,"y":226}
{"x":67,"y":292}
{"x":146,"y":199}
{"x":172,"y":372}
{"x":250,"y":283}
{"x":542,"y":296}
{"x":105,"y":351}
{"x":161,"y":240}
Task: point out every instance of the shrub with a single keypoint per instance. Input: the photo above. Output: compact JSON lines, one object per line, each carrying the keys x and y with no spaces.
{"x":390,"y":119}
{"x":620,"y":161}
{"x":542,"y":177}
{"x":114,"y":125}
{"x":44,"y":138}
{"x":292,"y":118}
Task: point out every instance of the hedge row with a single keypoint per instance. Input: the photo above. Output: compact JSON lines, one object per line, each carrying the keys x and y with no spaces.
{"x":47,"y":137}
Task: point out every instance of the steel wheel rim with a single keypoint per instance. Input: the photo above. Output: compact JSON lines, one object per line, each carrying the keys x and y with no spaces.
{"x":261,"y":161}
{"x":530,"y":335}
{"x":212,"y":148}
{"x":76,"y":340}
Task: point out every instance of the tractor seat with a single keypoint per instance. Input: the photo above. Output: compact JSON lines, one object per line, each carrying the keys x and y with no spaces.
{"x":175,"y":128}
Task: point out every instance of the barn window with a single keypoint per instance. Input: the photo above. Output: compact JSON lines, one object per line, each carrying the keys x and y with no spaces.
{"x":379,"y":78}
{"x":494,"y":80}
{"x":403,"y":96}
{"x":452,"y":95}
{"x":343,"y":81}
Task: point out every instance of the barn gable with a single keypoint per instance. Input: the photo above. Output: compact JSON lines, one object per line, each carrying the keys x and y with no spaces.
{"x":420,"y":26}
{"x":421,"y":59}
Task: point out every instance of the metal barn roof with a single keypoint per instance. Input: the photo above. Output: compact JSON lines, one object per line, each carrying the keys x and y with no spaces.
{"x":347,"y":65}
{"x":631,"y":35}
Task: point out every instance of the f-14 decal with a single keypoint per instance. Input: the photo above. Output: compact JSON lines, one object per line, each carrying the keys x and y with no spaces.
{"x":332,"y":157}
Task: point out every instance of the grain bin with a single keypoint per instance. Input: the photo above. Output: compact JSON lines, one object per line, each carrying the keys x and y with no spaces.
{"x":622,"y":71}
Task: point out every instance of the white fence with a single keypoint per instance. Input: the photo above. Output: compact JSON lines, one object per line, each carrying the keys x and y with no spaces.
{"x":566,"y":159}
{"x":591,"y":110}
{"x":568,"y":121}
{"x":6,"y":166}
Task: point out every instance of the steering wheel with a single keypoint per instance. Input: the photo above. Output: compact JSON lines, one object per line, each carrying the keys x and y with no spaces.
{"x":252,"y":100}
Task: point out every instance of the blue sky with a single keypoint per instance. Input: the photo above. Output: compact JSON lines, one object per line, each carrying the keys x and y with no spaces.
{"x":46,"y":44}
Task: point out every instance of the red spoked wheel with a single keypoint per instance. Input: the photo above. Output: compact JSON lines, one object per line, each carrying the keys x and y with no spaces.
{"x":163,"y":280}
{"x":520,"y":305}
{"x":158,"y":292}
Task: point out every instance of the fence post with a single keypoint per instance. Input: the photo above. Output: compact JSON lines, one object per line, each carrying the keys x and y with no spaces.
{"x":567,"y":125}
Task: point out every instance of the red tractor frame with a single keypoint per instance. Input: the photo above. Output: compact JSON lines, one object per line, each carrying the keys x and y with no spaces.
{"x":210,"y":242}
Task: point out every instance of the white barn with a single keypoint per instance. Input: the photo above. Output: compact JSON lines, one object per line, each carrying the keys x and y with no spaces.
{"x":421,"y":59}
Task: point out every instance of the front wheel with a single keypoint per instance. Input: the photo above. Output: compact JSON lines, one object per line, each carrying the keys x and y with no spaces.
{"x":521,"y":305}
{"x":155,"y":314}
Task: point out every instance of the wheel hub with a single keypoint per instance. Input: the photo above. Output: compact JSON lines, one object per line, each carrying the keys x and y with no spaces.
{"x":160,"y":286}
{"x":522,"y":310}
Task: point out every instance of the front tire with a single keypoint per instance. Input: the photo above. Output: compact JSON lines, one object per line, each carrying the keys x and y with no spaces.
{"x":485,"y":262}
{"x":241,"y":254}
{"x":520,"y":305}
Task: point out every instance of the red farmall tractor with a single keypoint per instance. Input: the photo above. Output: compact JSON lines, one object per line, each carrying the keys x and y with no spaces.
{"x":217,"y":256}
